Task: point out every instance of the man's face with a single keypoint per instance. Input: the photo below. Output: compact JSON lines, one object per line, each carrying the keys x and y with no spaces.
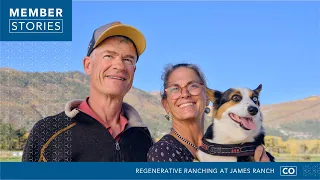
{"x":111,"y":67}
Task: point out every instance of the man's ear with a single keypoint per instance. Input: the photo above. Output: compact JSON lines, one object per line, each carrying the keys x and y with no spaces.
{"x":87,"y":65}
{"x":258,"y":89}
{"x":165,"y":105}
{"x":213,"y":95}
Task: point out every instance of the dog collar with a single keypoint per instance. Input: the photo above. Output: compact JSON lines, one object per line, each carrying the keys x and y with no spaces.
{"x":246,"y":149}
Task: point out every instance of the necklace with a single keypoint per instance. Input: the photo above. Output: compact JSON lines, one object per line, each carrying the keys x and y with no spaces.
{"x":184,"y":140}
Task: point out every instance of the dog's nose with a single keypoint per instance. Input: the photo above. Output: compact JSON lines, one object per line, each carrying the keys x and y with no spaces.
{"x":252,"y":110}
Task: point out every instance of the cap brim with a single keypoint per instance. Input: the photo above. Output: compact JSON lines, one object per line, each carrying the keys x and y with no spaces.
{"x":124,"y":30}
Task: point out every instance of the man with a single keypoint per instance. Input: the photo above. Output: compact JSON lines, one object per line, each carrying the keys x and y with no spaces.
{"x":102,"y":127}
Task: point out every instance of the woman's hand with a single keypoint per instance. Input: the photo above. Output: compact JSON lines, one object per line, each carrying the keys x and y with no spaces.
{"x":260,"y":155}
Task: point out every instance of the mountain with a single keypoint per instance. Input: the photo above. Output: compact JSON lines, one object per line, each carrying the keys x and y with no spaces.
{"x":296,"y":119}
{"x":27,"y":97}
{"x":156,"y":94}
{"x":299,"y":110}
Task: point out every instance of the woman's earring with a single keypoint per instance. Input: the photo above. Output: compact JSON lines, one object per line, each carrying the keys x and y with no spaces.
{"x":207,"y":110}
{"x":168,"y":116}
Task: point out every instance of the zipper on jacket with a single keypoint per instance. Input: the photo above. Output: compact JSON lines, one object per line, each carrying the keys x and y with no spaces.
{"x":118,"y":153}
{"x":117,"y":146}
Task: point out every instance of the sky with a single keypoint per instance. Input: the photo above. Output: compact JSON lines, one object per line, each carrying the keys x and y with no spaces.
{"x":236,"y":44}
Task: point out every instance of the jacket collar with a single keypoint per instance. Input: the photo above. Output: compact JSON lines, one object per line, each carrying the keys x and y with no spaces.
{"x":134,"y":119}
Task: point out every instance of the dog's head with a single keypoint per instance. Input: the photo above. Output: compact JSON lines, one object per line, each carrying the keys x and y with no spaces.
{"x":236,"y":112}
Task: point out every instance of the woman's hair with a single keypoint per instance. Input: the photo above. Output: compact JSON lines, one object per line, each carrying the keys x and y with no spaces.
{"x":170,"y":68}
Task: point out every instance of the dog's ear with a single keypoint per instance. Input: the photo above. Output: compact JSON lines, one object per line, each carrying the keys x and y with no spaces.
{"x":213,"y":95}
{"x":258,"y":89}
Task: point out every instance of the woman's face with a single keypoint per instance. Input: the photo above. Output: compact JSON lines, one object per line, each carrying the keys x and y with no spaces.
{"x":191,"y":102}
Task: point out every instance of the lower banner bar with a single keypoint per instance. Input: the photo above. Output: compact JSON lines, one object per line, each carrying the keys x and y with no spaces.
{"x":150,"y":170}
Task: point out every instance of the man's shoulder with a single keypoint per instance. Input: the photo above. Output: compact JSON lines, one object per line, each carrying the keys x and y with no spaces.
{"x":59,"y":120}
{"x":52,"y":123}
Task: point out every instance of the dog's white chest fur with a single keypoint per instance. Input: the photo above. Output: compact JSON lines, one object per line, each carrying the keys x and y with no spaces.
{"x":204,"y":157}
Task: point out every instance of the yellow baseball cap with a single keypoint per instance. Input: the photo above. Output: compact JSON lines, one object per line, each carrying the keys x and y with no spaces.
{"x":117,"y":28}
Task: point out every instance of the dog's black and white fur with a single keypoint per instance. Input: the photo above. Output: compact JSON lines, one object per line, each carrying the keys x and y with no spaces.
{"x":237,"y":119}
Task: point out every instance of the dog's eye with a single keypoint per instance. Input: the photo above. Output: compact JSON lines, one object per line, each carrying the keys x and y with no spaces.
{"x":236,"y":98}
{"x":254,"y":99}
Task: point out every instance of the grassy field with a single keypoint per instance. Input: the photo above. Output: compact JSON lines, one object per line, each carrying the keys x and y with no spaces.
{"x":307,"y":158}
{"x":10,"y":159}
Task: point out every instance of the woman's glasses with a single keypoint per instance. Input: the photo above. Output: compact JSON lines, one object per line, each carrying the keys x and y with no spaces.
{"x":175,"y":91}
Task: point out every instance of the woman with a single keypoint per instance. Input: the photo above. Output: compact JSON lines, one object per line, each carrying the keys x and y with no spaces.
{"x":185,"y":101}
